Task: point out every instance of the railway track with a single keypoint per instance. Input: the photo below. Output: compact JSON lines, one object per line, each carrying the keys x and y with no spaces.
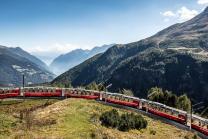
{"x":155,"y":117}
{"x":173,"y":116}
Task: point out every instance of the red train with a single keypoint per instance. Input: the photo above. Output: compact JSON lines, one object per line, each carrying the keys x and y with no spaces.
{"x":9,"y":93}
{"x":182,"y":117}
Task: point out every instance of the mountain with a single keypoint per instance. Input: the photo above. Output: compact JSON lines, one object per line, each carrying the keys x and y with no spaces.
{"x":175,"y":59}
{"x":66,"y":61}
{"x":20,"y":52}
{"x":15,"y":62}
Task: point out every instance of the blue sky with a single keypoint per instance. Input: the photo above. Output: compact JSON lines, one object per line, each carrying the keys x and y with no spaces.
{"x":47,"y":28}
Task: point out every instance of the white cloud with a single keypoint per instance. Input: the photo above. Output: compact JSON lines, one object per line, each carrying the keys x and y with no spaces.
{"x":168,"y":14}
{"x":182,"y":14}
{"x":57,"y":47}
{"x":202,"y":2}
{"x":186,"y":14}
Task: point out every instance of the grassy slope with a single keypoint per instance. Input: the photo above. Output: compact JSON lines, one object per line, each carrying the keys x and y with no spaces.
{"x":76,"y":118}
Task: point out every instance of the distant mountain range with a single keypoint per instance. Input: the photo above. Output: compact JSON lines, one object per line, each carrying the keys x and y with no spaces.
{"x":66,"y":61}
{"x":175,"y":58}
{"x":14,"y":62}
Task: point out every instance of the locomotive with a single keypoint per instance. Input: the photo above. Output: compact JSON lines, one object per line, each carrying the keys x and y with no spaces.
{"x":195,"y":122}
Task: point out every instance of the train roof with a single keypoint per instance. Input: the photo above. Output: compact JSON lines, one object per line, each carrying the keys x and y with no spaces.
{"x":164,"y":106}
{"x":8,"y":88}
{"x":200,"y":118}
{"x":40,"y":87}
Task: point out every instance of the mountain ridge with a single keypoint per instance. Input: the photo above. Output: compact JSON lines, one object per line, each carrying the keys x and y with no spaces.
{"x":174,"y":59}
{"x":66,"y":61}
{"x":19,"y":51}
{"x":15,"y":62}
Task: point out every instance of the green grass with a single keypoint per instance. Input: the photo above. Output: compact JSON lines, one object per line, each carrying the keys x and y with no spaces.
{"x":77,"y":119}
{"x":10,"y":110}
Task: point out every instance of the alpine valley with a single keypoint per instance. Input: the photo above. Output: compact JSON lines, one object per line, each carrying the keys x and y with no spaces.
{"x":66,"y":61}
{"x":175,"y":59}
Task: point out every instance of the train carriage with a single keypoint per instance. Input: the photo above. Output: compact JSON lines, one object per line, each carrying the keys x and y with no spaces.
{"x":42,"y":92}
{"x":165,"y":111}
{"x":120,"y":99}
{"x":81,"y":93}
{"x":9,"y":92}
{"x":200,"y":124}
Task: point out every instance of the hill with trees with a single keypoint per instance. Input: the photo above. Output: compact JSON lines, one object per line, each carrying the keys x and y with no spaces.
{"x":175,"y":59}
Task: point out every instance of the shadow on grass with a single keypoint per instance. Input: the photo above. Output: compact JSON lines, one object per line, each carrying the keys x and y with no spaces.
{"x":10,"y":102}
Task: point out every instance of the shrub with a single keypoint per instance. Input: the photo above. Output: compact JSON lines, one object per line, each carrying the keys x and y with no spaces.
{"x":110,"y":119}
{"x":124,"y":122}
